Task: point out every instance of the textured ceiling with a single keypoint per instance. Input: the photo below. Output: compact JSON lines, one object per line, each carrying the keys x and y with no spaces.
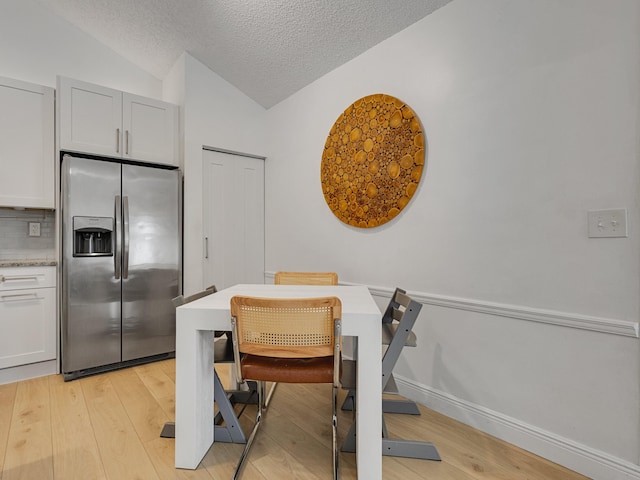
{"x":268,"y":49}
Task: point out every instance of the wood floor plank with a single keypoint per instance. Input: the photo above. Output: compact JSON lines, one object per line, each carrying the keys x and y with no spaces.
{"x":169,"y":367}
{"x":160,"y":385}
{"x":145,"y":413}
{"x":220,"y":461}
{"x":161,"y":451}
{"x":310,"y":445}
{"x":275,"y":463}
{"x":122,"y":452}
{"x":7,"y":400}
{"x":417,"y":468}
{"x":305,"y":404}
{"x":29,"y":448}
{"x":75,"y":450}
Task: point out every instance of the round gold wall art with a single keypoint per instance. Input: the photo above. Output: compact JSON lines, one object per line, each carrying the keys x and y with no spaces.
{"x":372,"y":161}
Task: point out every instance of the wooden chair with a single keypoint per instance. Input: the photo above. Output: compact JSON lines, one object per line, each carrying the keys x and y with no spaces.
{"x":397,"y":325}
{"x":291,"y":340}
{"x":301,"y":278}
{"x":305,"y":278}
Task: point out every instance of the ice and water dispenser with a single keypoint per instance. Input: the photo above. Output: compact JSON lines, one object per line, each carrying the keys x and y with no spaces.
{"x":92,"y":236}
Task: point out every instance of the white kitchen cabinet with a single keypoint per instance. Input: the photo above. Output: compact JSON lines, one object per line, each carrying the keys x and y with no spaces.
{"x":90,"y":118}
{"x":150,"y":129}
{"x":27,"y":315}
{"x":26,"y":145}
{"x":103,"y":121}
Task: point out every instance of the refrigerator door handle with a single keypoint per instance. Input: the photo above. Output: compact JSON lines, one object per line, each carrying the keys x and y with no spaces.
{"x":125,"y":236}
{"x":117,"y":257}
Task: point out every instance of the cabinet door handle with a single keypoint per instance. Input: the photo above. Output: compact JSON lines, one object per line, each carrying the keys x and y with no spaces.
{"x":117,"y":140}
{"x":17,"y":278}
{"x":206,"y":247}
{"x":16,"y":296}
{"x":126,"y":136}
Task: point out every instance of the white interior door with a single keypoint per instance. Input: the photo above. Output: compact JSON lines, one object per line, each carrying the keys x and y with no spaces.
{"x":233,"y":195}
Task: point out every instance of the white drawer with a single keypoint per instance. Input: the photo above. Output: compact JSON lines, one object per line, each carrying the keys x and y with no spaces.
{"x":19,"y":278}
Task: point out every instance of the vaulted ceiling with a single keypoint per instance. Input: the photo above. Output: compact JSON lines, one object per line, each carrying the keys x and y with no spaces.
{"x":268,"y":49}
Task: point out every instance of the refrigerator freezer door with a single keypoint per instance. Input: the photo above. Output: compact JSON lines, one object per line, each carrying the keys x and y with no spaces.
{"x":91,"y":322}
{"x":152,"y":247}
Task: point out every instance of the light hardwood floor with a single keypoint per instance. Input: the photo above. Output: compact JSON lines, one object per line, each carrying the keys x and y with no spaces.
{"x":108,"y":426}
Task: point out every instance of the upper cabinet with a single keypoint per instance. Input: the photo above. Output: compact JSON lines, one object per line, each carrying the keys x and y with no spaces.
{"x":26,"y":145}
{"x":103,"y":121}
{"x":150,"y":129}
{"x":90,"y":118}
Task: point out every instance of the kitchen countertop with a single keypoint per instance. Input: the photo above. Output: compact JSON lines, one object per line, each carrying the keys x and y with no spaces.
{"x":31,"y":262}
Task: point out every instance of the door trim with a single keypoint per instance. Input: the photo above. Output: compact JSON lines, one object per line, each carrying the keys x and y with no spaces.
{"x":233,"y":152}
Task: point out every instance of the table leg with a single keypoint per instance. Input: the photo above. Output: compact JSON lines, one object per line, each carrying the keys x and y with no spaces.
{"x":194,"y":395}
{"x":369,"y":408}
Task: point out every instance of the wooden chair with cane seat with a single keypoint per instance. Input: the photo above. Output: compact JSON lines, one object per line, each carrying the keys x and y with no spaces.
{"x":291,"y":340}
{"x":305,"y":278}
{"x":301,"y":278}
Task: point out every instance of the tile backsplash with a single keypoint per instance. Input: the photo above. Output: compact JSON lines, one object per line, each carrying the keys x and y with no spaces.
{"x":15,"y":242}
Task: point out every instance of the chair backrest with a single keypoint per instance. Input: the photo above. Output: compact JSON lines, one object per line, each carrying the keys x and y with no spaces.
{"x":397,"y":304}
{"x":305,"y":278}
{"x":403,"y":310}
{"x":286,"y":327}
{"x":181,"y":300}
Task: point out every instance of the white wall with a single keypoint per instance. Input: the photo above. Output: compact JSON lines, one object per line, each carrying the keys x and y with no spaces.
{"x":530,"y":110}
{"x":218,"y":115}
{"x":36,"y":45}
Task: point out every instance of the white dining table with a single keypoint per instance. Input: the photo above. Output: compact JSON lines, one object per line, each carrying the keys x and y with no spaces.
{"x":195,"y":326}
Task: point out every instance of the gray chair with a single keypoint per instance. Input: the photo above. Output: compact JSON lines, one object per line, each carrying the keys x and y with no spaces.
{"x":227,"y":427}
{"x":397,"y":325}
{"x":390,"y":322}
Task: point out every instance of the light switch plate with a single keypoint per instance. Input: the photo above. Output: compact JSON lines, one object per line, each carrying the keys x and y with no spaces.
{"x":34,"y":229}
{"x":607,"y":223}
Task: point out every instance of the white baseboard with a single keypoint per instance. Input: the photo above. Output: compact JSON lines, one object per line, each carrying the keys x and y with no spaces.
{"x":573,"y":455}
{"x":25,"y":372}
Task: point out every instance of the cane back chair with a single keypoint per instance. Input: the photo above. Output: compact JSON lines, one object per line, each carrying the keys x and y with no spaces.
{"x":305,"y":278}
{"x":290,"y":340}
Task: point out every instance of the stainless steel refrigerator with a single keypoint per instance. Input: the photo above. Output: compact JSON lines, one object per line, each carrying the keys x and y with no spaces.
{"x":121,"y":263}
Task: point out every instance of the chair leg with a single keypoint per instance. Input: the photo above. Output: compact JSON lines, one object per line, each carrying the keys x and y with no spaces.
{"x":407,"y":407}
{"x":268,"y":399}
{"x":349,"y":444}
{"x":247,"y":447}
{"x":335,"y":432}
{"x":349,"y":400}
